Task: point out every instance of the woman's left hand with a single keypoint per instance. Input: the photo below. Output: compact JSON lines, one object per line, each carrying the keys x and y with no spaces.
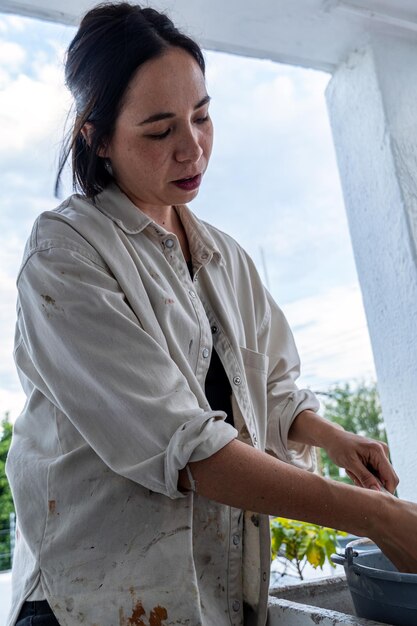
{"x":366,"y":461}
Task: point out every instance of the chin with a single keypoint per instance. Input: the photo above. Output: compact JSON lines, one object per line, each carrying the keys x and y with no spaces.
{"x":182,"y":196}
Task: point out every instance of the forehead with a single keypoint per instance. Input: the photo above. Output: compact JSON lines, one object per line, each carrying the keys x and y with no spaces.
{"x":167,"y":82}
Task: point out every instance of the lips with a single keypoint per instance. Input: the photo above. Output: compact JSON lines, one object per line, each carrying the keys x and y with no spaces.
{"x":188,"y":184}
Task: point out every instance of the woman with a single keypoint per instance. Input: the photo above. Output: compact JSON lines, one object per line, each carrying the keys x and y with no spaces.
{"x":152,"y":356}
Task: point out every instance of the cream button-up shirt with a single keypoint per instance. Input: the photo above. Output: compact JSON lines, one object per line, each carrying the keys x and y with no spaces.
{"x":113,"y":340}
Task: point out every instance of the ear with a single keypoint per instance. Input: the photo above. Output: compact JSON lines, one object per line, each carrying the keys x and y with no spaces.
{"x":87,"y":131}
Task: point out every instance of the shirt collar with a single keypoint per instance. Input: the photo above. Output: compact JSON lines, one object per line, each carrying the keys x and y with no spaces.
{"x":202,"y":245}
{"x":117,"y":206}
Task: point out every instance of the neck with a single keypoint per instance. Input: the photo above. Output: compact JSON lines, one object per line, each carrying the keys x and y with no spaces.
{"x":167,"y":217}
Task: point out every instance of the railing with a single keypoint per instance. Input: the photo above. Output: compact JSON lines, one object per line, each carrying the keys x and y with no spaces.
{"x":7,"y":538}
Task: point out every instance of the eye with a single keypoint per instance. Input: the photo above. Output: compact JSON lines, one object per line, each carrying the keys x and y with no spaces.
{"x":202,"y":120}
{"x":159,"y":136}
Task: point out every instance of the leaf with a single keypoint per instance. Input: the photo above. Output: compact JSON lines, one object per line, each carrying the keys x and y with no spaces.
{"x":291,"y":551}
{"x":277,"y":537}
{"x":299,"y":542}
{"x":303,"y":547}
{"x":330,"y":548}
{"x":315,"y":555}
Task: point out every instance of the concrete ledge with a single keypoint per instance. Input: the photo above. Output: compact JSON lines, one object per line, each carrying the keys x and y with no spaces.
{"x":325,"y":603}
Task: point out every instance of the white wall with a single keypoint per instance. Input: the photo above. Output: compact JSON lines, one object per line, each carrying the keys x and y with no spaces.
{"x":5,"y":595}
{"x":372,"y":101}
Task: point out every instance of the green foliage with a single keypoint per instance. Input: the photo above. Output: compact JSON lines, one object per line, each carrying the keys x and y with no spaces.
{"x":6,"y":501}
{"x":298,"y":543}
{"x":357,"y":408}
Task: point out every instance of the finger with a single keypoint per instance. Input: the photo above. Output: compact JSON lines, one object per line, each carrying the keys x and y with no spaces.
{"x":367,"y":478}
{"x":378,"y":463}
{"x":385,"y":448}
{"x":390,"y":480}
{"x":381,"y":467}
{"x":354,"y":478}
{"x":392,"y":483}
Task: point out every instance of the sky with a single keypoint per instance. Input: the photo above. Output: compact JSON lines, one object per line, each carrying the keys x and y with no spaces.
{"x":272,"y":184}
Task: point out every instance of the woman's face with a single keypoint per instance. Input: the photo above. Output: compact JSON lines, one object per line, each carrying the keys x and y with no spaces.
{"x":163,"y":136}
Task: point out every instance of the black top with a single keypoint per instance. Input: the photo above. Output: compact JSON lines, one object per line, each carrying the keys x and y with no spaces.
{"x":217,"y":387}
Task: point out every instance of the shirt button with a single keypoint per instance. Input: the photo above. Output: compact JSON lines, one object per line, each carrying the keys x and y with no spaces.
{"x":214,"y":329}
{"x":169,"y":243}
{"x":237,"y":380}
{"x":206,"y":353}
{"x":192,"y":293}
{"x":236,"y":605}
{"x":236,"y":540}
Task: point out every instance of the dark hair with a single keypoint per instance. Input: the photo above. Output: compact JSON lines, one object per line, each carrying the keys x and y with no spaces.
{"x":112,"y":42}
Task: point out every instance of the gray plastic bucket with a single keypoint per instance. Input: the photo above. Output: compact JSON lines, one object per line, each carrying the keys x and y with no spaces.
{"x":379,"y":591}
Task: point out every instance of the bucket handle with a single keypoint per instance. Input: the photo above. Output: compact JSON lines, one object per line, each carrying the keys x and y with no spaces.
{"x":350,"y":552}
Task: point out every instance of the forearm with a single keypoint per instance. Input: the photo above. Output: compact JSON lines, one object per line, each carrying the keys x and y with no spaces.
{"x":246,"y":478}
{"x":312,"y":429}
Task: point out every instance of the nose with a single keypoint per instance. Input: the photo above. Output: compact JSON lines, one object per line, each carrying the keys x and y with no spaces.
{"x":189,"y":147}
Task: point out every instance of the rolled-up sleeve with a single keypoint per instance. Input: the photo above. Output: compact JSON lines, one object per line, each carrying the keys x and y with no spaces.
{"x":284,"y":399}
{"x":85,"y":349}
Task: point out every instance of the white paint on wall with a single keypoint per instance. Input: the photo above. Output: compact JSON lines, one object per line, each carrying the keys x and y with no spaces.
{"x":312,"y":33}
{"x":372,"y":103}
{"x":5,"y":595}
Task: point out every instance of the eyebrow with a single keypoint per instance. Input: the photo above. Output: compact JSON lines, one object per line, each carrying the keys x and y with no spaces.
{"x":163,"y":116}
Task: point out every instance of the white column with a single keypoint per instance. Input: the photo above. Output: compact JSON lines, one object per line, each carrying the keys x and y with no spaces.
{"x":372,"y":101}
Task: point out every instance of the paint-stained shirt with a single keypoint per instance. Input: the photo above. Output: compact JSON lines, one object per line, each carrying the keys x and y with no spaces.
{"x":113,"y":343}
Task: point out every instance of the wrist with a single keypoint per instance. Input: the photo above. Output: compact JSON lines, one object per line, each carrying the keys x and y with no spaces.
{"x":360,"y":511}
{"x":378,"y":514}
{"x":382,"y":515}
{"x":328,"y":433}
{"x":312,"y":429}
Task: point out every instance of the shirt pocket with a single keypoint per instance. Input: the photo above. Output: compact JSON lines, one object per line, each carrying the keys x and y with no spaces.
{"x":256,"y":373}
{"x":254,"y":360}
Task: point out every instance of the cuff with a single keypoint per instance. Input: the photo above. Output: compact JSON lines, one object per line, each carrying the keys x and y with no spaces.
{"x":279,"y":424}
{"x":195,"y":440}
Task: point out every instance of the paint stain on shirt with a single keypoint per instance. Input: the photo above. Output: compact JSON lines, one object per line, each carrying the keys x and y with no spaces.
{"x":157,"y":616}
{"x":139,"y":618}
{"x":49,"y":305}
{"x":137,"y":613}
{"x":48,"y":299}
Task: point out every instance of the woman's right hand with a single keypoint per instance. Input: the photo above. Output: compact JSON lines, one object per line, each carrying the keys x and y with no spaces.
{"x":396,"y":532}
